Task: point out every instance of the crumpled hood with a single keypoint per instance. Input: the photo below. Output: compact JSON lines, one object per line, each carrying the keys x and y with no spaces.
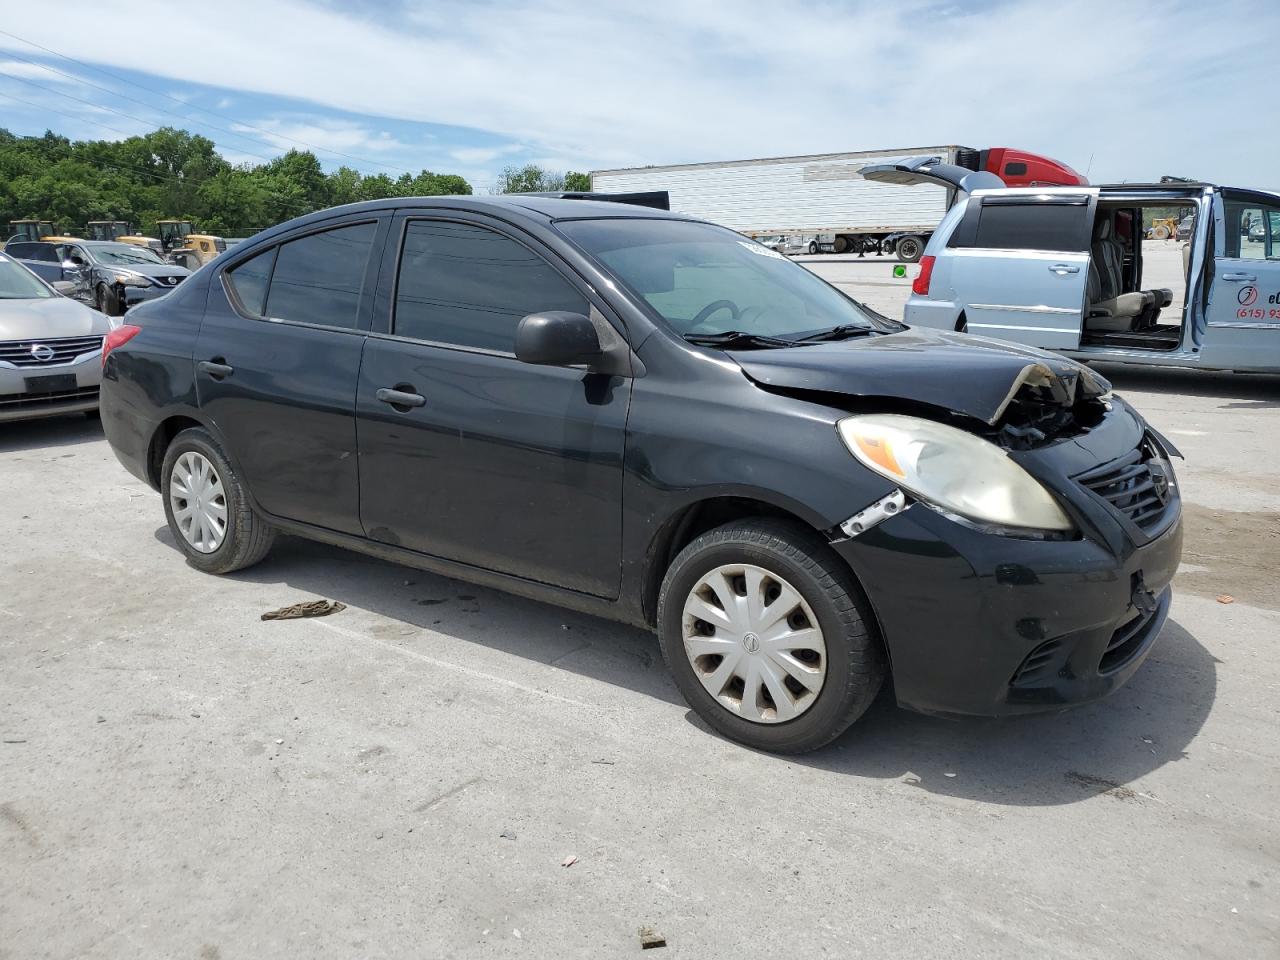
{"x":970,"y":375}
{"x":49,"y":319}
{"x":148,"y":269}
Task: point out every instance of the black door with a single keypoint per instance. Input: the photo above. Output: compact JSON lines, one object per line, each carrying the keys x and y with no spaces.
{"x":501,"y":464}
{"x":276,"y":367}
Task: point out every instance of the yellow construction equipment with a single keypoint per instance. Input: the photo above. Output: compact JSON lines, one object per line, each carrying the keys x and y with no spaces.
{"x":30,"y":229}
{"x":106,"y":229}
{"x":191,"y":250}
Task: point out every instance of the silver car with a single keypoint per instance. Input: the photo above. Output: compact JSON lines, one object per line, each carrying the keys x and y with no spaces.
{"x":50,"y":348}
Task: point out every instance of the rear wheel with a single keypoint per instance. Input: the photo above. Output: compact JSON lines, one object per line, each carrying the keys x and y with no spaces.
{"x":208,"y":508}
{"x":909,"y":249}
{"x":762,"y":627}
{"x":1161,"y":232}
{"x":813,"y":247}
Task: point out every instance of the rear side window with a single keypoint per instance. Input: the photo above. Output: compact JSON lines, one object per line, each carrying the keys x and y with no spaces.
{"x":318,"y":278}
{"x":249,"y":281}
{"x":1061,"y":227}
{"x":32,"y":251}
{"x":470,"y":286}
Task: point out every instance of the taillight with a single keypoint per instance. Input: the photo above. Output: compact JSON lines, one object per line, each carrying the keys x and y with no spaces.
{"x":114,"y":338}
{"x":920,"y":284}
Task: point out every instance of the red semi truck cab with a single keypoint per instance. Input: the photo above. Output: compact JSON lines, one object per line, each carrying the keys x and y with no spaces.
{"x":1018,"y":168}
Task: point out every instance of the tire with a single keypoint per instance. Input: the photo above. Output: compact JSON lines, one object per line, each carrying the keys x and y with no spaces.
{"x":246,"y":536}
{"x":1161,"y":232}
{"x":851,"y":656}
{"x":909,"y":249}
{"x":106,"y":301}
{"x":813,"y":247}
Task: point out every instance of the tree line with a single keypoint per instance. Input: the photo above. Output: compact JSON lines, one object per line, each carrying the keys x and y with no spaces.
{"x":174,"y":174}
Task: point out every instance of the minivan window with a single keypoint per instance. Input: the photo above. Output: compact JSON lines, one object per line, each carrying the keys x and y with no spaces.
{"x":249,"y":281}
{"x":704,"y":279}
{"x":470,"y":286}
{"x":1059,"y":227}
{"x":318,"y":278}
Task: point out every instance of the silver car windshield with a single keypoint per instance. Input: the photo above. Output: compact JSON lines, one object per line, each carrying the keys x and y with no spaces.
{"x":122,"y":255}
{"x":19,"y":283}
{"x":707,"y":280}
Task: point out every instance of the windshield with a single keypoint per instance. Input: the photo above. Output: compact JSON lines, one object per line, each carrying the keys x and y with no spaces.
{"x":19,"y":283}
{"x":706,"y":280}
{"x":122,"y":255}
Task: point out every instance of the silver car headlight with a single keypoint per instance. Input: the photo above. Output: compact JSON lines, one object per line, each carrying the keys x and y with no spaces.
{"x":953,"y":470}
{"x":132,"y":280}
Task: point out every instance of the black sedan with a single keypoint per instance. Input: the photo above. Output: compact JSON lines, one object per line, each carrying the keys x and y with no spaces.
{"x":651,"y":418}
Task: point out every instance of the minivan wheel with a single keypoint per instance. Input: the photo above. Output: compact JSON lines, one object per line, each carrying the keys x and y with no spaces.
{"x":764,"y":630}
{"x":207,"y":507}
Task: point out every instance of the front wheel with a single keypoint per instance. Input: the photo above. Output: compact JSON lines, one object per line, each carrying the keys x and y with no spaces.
{"x":208,"y":508}
{"x":107,"y":302}
{"x":813,"y":247}
{"x":764,"y":631}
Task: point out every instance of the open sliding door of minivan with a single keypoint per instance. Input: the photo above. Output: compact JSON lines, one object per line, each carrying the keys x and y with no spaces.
{"x":1024,"y":259}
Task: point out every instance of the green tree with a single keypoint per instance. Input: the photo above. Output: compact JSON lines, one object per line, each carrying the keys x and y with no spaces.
{"x":578,"y":182}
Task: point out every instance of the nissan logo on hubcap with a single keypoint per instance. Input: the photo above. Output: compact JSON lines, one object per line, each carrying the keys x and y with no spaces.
{"x":751,"y":642}
{"x":42,"y":352}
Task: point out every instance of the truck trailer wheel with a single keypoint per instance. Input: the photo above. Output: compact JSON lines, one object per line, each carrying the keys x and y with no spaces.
{"x":909,"y":249}
{"x":813,"y":247}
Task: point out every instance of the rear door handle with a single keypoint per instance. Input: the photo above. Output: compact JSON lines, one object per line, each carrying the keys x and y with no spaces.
{"x":215,"y":368}
{"x":400,"y":398}
{"x":1061,"y":269}
{"x":1240,"y":277}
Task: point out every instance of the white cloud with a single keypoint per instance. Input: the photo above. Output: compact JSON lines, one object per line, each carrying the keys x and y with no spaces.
{"x":34,"y":71}
{"x":483,"y":155}
{"x":336,"y":136}
{"x":1144,"y":90}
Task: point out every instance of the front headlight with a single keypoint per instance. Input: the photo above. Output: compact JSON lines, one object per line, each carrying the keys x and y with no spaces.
{"x":132,"y":280}
{"x":956,"y":471}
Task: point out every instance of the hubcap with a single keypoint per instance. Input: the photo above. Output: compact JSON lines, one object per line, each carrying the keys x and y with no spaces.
{"x":198,"y":501}
{"x":754,"y":643}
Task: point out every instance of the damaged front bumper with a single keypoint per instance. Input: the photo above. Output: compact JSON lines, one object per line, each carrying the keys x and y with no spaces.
{"x":979,"y":623}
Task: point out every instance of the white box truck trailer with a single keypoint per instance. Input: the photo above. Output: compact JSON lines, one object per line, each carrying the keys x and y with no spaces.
{"x":824,"y":199}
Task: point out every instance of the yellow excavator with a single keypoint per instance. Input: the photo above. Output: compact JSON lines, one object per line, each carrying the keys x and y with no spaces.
{"x":182,"y":246}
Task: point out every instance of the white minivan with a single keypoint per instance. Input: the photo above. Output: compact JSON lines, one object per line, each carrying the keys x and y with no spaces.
{"x":1063,"y":268}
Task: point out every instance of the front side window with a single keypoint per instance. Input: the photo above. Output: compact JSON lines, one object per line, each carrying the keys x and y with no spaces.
{"x":1056,"y":227}
{"x":19,"y":283}
{"x":1252,"y":231}
{"x":318,"y":278}
{"x":470,"y":286}
{"x":44,"y":252}
{"x":704,"y":279}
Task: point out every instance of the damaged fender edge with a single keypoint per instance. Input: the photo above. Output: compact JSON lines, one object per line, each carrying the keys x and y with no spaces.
{"x":878,"y":512}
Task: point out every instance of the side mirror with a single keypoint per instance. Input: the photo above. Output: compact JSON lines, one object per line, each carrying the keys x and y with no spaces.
{"x":64,"y":287}
{"x":70,"y":265}
{"x":557,"y":338}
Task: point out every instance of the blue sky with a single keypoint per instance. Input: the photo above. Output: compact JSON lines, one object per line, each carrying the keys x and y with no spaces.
{"x":1125,"y":90}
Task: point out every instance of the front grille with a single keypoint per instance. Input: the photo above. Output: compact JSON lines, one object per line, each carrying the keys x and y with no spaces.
{"x":167,"y":281}
{"x":37,"y":401}
{"x":1138,"y":485}
{"x":47,"y":353}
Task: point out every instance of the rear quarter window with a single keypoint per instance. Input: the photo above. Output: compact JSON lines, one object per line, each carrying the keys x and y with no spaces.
{"x":1060,"y":227}
{"x":248,"y":281}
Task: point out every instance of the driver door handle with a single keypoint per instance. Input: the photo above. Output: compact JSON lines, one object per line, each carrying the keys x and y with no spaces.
{"x":1062,"y":269}
{"x":215,"y":368}
{"x":1240,"y":277}
{"x":400,"y":398}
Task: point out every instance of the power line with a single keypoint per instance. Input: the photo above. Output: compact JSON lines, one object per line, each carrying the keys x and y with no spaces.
{"x":98,"y":106}
{"x":167,"y":96}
